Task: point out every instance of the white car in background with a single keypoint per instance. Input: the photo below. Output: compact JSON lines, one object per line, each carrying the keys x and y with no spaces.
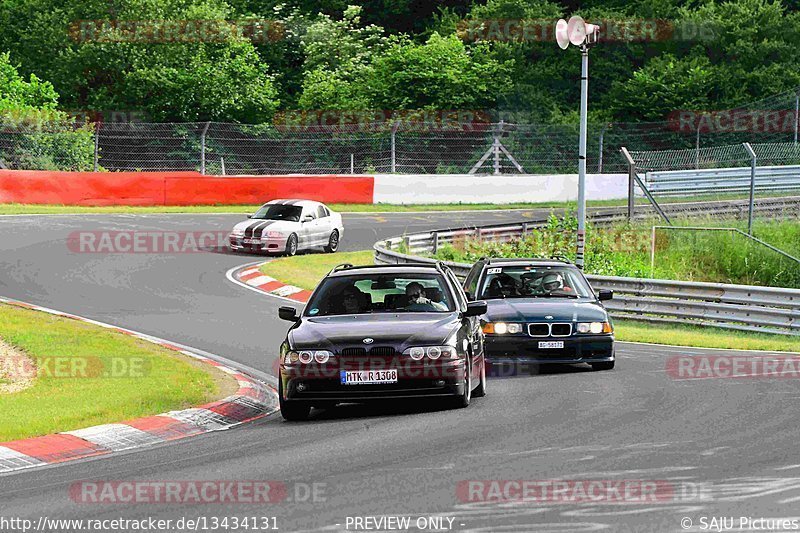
{"x":288,"y":226}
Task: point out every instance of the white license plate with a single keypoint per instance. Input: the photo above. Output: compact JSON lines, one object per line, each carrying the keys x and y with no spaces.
{"x":368,"y":377}
{"x":551,"y":344}
{"x":251,"y":241}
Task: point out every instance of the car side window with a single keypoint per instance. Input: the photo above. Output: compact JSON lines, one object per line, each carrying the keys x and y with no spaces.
{"x":321,"y":212}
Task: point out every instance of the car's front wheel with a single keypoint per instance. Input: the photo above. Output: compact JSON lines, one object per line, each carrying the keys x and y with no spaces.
{"x":333,"y":242}
{"x":292,"y":411}
{"x":291,"y":245}
{"x":605,"y":365}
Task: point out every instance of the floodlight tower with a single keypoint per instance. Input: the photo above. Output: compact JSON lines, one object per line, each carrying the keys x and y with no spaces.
{"x":582,"y":35}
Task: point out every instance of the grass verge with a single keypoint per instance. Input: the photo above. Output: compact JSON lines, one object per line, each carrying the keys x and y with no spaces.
{"x":305,"y":271}
{"x":87,"y":375}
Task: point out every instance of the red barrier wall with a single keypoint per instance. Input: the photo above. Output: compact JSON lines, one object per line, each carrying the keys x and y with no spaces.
{"x":175,"y":188}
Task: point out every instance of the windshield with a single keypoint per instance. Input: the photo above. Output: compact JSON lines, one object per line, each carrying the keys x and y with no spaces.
{"x":381,"y":293}
{"x":530,"y":281}
{"x":279,"y":212}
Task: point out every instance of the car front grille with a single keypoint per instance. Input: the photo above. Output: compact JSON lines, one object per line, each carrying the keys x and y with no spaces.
{"x":384,"y":351}
{"x":354,"y":352}
{"x":546,"y":329}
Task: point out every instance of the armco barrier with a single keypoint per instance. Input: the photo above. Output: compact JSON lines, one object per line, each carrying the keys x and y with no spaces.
{"x":739,"y":307}
{"x":175,"y":188}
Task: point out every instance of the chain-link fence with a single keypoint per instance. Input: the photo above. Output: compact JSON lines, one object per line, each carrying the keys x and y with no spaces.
{"x":481,"y":143}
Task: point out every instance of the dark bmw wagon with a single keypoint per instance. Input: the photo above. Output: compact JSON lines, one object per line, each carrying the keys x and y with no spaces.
{"x":541,"y":311}
{"x":382,"y":332}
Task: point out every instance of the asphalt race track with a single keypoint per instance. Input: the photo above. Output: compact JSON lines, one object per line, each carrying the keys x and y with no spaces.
{"x":726,"y":447}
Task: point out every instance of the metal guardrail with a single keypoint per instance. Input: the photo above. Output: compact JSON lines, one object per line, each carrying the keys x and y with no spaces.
{"x":727,"y":180}
{"x":737,"y":307}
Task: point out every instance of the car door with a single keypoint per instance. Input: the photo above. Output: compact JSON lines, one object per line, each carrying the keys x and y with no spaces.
{"x":473,"y":326}
{"x":307,"y":232}
{"x":324,"y":224}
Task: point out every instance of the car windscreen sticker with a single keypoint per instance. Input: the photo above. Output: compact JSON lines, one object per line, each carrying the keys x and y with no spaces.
{"x":496,"y":270}
{"x":313,"y":311}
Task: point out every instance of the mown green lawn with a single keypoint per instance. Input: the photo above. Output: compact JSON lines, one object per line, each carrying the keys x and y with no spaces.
{"x":305,"y":271}
{"x":88,"y":375}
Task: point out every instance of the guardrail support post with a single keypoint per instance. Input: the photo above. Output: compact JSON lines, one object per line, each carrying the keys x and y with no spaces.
{"x":753,"y":160}
{"x":434,"y":242}
{"x":524,"y":229}
{"x":407,"y":243}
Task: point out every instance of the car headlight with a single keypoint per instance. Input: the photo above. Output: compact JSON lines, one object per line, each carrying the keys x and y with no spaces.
{"x":594,"y":327}
{"x":238,"y":232}
{"x":433,"y":352}
{"x":275,"y":234}
{"x":501,"y":328}
{"x":307,"y":356}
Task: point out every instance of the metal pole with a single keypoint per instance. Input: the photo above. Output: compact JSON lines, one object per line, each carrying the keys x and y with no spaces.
{"x":600,"y":153}
{"x":582,"y":158}
{"x":352,"y":164}
{"x":96,"y":145}
{"x":631,"y":180}
{"x":697,"y":148}
{"x":394,"y":152}
{"x":753,"y":160}
{"x":222,"y":164}
{"x":796,"y":114}
{"x":496,"y":148}
{"x":653,"y":252}
{"x":203,"y":149}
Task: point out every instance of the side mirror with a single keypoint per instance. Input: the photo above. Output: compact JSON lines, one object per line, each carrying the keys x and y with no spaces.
{"x":288,"y":313}
{"x":605,"y":294}
{"x":469,"y":295}
{"x":475,"y":308}
{"x":249,"y":216}
{"x":308,"y":218}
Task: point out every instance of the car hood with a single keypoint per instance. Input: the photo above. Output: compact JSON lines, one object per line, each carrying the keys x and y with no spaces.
{"x":257,"y":227}
{"x":536,"y":309}
{"x":400,"y":330}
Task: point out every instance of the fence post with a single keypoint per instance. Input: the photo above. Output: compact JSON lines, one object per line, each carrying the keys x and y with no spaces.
{"x":496,"y":148}
{"x":394,"y":146}
{"x":600,"y":154}
{"x":96,"y":144}
{"x":631,"y":180}
{"x":753,"y":160}
{"x":203,"y":149}
{"x":352,"y":164}
{"x":697,"y":148}
{"x":222,"y":164}
{"x":796,"y":114}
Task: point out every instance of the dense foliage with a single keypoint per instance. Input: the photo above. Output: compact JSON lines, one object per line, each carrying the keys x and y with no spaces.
{"x":393,"y":54}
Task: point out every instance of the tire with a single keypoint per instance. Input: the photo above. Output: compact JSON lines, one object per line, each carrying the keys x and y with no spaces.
{"x":291,"y":245}
{"x":462,"y":401}
{"x":480,"y":390}
{"x":605,"y":365}
{"x":333,"y":242}
{"x":292,"y":411}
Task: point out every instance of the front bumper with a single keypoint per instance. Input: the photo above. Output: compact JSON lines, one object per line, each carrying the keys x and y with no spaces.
{"x":265,"y":244}
{"x":512,"y":349}
{"x":415,"y":379}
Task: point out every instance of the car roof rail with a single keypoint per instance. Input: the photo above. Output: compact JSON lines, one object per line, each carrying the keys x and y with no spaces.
{"x":342,"y":266}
